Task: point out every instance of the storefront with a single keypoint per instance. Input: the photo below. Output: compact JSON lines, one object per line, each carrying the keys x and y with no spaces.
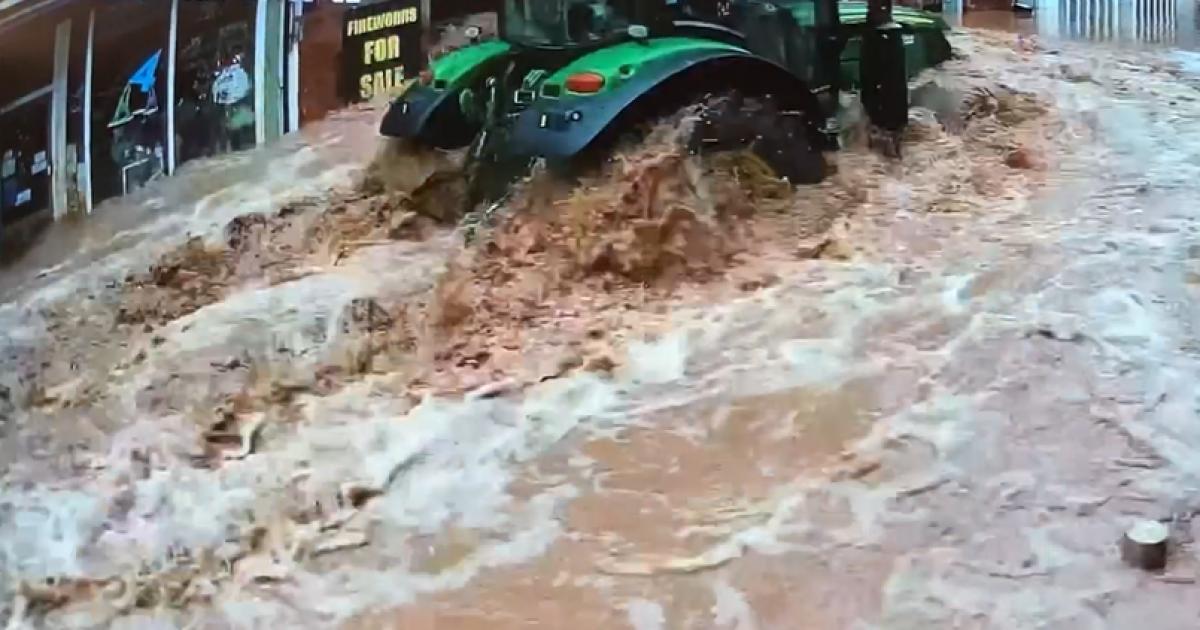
{"x":42,"y":66}
{"x":102,"y":97}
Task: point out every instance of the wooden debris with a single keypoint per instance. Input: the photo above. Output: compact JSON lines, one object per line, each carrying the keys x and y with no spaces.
{"x":496,"y":389}
{"x":340,"y":541}
{"x":646,"y":565}
{"x":1177,"y":579}
{"x":249,"y":437}
{"x":355,"y":494}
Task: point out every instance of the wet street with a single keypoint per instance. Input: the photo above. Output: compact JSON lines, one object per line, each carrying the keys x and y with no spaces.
{"x":926,"y":394}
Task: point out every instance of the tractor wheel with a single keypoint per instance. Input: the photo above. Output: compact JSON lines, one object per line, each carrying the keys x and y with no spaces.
{"x":732,"y":122}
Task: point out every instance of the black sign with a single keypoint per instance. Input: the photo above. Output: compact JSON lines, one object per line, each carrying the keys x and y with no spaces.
{"x":381,"y":46}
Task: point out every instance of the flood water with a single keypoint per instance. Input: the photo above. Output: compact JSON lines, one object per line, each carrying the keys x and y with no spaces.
{"x":925,"y":394}
{"x":302,"y":163}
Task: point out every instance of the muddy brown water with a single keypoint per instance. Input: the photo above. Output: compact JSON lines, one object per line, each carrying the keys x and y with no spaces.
{"x":948,"y":429}
{"x":301,"y":164}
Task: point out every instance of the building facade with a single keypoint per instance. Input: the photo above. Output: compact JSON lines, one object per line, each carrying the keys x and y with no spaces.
{"x":100,"y":97}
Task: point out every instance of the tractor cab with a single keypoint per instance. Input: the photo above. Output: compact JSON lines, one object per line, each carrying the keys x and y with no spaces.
{"x":563,"y":24}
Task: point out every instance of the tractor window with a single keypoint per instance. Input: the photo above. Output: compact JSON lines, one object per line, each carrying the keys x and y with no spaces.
{"x":563,"y":23}
{"x":529,"y":22}
{"x":800,"y":35}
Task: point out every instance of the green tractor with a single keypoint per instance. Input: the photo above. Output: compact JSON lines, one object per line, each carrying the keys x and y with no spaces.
{"x":568,"y":77}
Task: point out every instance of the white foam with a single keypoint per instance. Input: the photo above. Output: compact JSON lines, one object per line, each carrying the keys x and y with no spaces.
{"x":644,"y":614}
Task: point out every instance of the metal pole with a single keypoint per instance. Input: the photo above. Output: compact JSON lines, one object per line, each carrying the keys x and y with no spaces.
{"x":58,"y":118}
{"x":295,"y":34}
{"x":172,"y":40}
{"x":87,"y":112}
{"x":260,"y":72}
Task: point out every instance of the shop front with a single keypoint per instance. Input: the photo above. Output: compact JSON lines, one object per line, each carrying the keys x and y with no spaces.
{"x":102,"y":97}
{"x":42,"y":62}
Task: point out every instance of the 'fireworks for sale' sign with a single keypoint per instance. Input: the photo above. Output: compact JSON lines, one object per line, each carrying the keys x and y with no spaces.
{"x":381,"y":46}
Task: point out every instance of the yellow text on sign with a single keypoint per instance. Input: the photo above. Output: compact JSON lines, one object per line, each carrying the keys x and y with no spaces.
{"x":382,"y":49}
{"x":391,"y":19}
{"x":381,"y":82}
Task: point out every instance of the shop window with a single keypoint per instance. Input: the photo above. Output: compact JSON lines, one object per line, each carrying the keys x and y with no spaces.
{"x":214,"y":111}
{"x":25,"y":160}
{"x":26,"y":65}
{"x":129,"y":85}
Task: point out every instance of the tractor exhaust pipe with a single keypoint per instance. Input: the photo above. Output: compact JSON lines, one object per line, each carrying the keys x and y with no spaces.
{"x":884,"y":78}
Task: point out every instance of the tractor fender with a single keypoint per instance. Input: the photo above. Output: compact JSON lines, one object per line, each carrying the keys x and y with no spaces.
{"x":563,"y":127}
{"x":430,"y":113}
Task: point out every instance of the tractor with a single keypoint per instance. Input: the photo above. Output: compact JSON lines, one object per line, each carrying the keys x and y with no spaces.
{"x":565,"y":79}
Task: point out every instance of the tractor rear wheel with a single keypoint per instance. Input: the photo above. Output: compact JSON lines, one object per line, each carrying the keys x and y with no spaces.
{"x":731,"y":122}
